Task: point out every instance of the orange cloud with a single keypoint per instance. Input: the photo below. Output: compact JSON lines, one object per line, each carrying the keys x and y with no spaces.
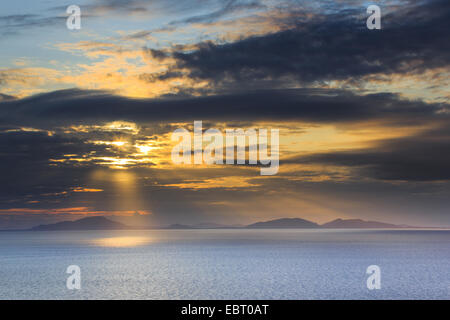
{"x":74,"y":211}
{"x":81,"y":189}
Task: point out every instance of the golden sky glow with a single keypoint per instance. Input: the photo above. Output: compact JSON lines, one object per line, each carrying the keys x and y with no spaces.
{"x":87,"y":116}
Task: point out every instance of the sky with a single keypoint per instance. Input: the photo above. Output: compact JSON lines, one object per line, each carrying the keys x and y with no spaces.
{"x":86,"y":116}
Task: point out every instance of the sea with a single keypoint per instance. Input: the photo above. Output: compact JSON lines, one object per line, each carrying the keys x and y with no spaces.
{"x":226,"y":264}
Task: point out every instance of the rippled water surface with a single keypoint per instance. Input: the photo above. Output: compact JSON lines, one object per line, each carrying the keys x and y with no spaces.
{"x":226,"y":264}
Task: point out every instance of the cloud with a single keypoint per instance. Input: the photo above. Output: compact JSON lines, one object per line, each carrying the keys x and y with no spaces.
{"x":228,"y":8}
{"x":75,"y":128}
{"x":310,"y":105}
{"x":421,"y":157}
{"x":6,"y":97}
{"x":27,"y":80}
{"x":103,"y":7}
{"x":13,"y":24}
{"x":329,"y":47}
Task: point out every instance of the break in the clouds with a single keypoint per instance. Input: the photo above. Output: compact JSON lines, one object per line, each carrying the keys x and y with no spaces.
{"x":60,"y":146}
{"x":421,"y":157}
{"x":86,"y":116}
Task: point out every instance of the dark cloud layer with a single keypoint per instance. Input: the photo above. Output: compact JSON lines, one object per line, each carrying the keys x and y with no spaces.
{"x":312,"y":105}
{"x":421,"y":157}
{"x":5,"y":97}
{"x":413,"y":39}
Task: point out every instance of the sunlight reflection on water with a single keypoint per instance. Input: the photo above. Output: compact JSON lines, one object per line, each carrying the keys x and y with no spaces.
{"x":121,"y":242}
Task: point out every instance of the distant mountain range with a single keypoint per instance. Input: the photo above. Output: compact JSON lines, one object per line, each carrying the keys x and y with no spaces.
{"x":359,"y":224}
{"x":285,"y":223}
{"x":102,"y":223}
{"x":90,"y":223}
{"x":203,"y":226}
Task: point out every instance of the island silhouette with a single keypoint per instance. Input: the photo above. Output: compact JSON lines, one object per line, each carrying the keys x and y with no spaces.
{"x":102,"y":223}
{"x":89,"y":223}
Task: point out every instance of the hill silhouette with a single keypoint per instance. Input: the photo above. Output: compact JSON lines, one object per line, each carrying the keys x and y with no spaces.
{"x":89,"y":223}
{"x":358,"y":224}
{"x":102,"y":223}
{"x":285,"y":223}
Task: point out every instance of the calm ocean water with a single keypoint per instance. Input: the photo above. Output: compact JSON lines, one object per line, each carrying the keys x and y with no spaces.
{"x":226,"y":264}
